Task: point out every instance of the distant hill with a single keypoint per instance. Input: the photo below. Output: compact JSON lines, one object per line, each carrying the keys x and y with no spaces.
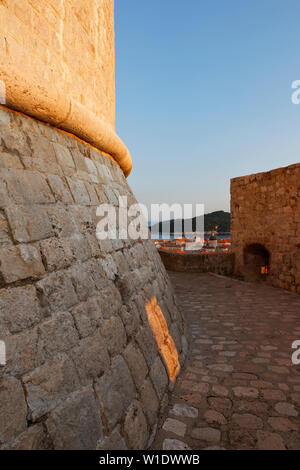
{"x":219,"y":218}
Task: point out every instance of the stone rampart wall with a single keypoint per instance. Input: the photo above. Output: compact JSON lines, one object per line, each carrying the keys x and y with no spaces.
{"x":265,"y":210}
{"x":219,"y":263}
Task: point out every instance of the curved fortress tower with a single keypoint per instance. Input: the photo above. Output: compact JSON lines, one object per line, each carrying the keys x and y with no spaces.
{"x":58,"y":66}
{"x":91,"y":331}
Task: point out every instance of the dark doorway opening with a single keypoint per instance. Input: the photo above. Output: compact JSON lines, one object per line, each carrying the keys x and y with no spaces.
{"x":256,"y":262}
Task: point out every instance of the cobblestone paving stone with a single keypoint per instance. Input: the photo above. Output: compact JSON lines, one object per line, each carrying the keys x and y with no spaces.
{"x":239,"y":388}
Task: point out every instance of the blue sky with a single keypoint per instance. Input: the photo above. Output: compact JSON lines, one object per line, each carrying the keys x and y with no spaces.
{"x":203,"y":94}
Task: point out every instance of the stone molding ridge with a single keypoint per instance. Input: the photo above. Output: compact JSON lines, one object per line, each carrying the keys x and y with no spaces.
{"x":48,"y":103}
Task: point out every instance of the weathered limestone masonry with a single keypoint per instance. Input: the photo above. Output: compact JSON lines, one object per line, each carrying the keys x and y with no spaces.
{"x":265,"y":225}
{"x":92,"y":332}
{"x":57,"y":61}
{"x":83,"y":366}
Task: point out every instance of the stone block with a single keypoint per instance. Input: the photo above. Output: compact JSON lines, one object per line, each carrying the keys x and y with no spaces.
{"x":21,"y":353}
{"x":104,"y":172}
{"x":56,"y":335}
{"x":121,"y":263}
{"x":81,"y":276}
{"x":91,"y":168}
{"x":109,"y":267}
{"x":247,"y":420}
{"x":98,"y":275}
{"x":135,"y":427}
{"x":42,"y":156}
{"x":111,"y":196}
{"x":214,"y":417}
{"x":105,"y":246}
{"x":87,"y":316}
{"x":80,"y":247}
{"x":286,"y":409}
{"x":165,"y":312}
{"x":92,"y":194}
{"x":103,"y":199}
{"x":20,"y":262}
{"x":139,"y":254}
{"x":56,"y":253}
{"x":79,"y":159}
{"x":282,"y":424}
{"x":84,"y":218}
{"x":76,"y":423}
{"x":115,"y":391}
{"x":60,"y":189}
{"x":147,"y":344}
{"x":19,"y":309}
{"x":34,"y":438}
{"x":13,"y":409}
{"x":114,"y":333}
{"x":63,"y":221}
{"x":49,"y":385}
{"x":184,"y":411}
{"x":185,"y":346}
{"x":29,"y":224}
{"x":175,"y":427}
{"x":131,"y":260}
{"x":244,"y":392}
{"x":131,"y":319}
{"x":79,"y":191}
{"x":136,"y":364}
{"x":5,"y":238}
{"x":112,"y":442}
{"x":206,"y":434}
{"x":149,"y":401}
{"x":117,"y":244}
{"x":8,"y":160}
{"x":269,"y":441}
{"x":175,"y":444}
{"x":91,"y":358}
{"x":143,"y":276}
{"x":128,"y":284}
{"x":93,"y":243}
{"x":4,"y":118}
{"x":140,"y":302}
{"x":57,"y":292}
{"x":109,"y":300}
{"x":159,"y":377}
{"x":14,"y":141}
{"x":64,"y":158}
{"x":175,"y":334}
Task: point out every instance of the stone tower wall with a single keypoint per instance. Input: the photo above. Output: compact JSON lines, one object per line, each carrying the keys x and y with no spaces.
{"x":58,"y":64}
{"x":265,"y":209}
{"x":92,"y":332}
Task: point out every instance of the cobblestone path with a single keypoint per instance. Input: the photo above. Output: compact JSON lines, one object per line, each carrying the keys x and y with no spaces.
{"x":239,"y":388}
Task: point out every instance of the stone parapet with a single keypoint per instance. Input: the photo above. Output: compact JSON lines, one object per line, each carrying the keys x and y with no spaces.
{"x":219,"y":263}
